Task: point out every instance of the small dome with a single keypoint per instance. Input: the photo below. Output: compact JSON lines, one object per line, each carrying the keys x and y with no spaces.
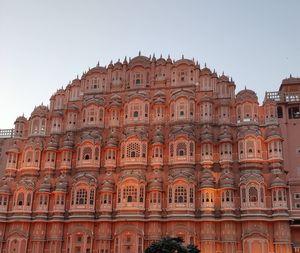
{"x":225,"y":136}
{"x":45,"y":186}
{"x":277,"y":182}
{"x":273,"y":132}
{"x":155,"y":184}
{"x":118,"y":65}
{"x":224,"y":78}
{"x":68,"y":141}
{"x":205,"y":70}
{"x":5,"y":189}
{"x":107,"y":185}
{"x":97,"y":70}
{"x":246,"y":95}
{"x":161,"y":61}
{"x":226,"y":180}
{"x":62,"y":184}
{"x":112,"y":141}
{"x":206,"y":135}
{"x":158,"y":137}
{"x":207,"y":180}
{"x":140,"y":60}
{"x":40,"y":111}
{"x":52,"y":144}
{"x":20,"y":119}
{"x":184,"y":61}
{"x":13,"y":149}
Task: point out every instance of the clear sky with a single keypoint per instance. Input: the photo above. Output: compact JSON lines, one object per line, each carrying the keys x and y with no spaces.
{"x":44,"y":44}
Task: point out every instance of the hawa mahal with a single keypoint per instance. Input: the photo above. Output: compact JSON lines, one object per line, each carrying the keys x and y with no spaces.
{"x":147,"y":148}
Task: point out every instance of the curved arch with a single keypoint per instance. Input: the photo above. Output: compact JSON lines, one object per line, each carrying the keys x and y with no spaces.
{"x":129,"y":227}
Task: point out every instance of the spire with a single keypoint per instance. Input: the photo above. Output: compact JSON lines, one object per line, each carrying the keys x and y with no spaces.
{"x":139,"y":52}
{"x":182,"y":57}
{"x":205,"y":64}
{"x":98,"y":64}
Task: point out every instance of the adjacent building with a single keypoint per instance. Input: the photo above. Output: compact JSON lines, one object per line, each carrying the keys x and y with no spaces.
{"x":146,"y":148}
{"x":288,"y":112}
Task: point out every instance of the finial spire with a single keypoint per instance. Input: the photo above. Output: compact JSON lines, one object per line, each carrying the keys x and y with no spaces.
{"x":98,"y":64}
{"x":182,"y":57}
{"x":139,"y":52}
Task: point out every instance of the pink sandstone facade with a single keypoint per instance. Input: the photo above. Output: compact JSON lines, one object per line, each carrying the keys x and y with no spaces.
{"x":142,"y":149}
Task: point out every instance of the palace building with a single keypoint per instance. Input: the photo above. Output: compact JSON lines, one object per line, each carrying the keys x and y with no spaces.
{"x":148,"y":148}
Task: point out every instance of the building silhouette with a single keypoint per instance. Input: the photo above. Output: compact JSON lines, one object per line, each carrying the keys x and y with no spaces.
{"x":147,"y":148}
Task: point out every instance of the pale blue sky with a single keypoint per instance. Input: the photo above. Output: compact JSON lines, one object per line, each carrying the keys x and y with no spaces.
{"x":44,"y":44}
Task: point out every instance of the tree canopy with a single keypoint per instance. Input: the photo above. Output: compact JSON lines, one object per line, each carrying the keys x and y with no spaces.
{"x":171,"y":245}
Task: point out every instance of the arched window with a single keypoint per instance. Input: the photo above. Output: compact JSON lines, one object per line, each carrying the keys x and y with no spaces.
{"x":101,"y":115}
{"x":172,"y":150}
{"x":29,"y":157}
{"x":81,"y":197}
{"x":180,"y":194}
{"x":28,"y":199}
{"x":279,"y":112}
{"x":130,"y":194}
{"x":181,"y":149}
{"x":133,"y":149}
{"x":244,"y":195}
{"x":253,"y":194}
{"x":87,"y":153}
{"x":20,"y":199}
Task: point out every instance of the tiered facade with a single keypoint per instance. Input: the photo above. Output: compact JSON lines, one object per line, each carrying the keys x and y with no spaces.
{"x":142,"y":149}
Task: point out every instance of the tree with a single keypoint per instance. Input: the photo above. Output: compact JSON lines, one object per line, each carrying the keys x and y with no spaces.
{"x":193,"y":248}
{"x":171,"y":245}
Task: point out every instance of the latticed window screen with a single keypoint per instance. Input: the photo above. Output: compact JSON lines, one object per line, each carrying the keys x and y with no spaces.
{"x":81,"y":197}
{"x":253,"y":194}
{"x":92,"y":193}
{"x":171,"y":150}
{"x":130,"y":193}
{"x":144,"y":150}
{"x":101,"y":115}
{"x":191,"y":195}
{"x":244,"y":195}
{"x":180,"y":194}
{"x":141,"y":194}
{"x":106,"y":198}
{"x":60,"y":200}
{"x":261,"y":195}
{"x":191,"y":148}
{"x":250,"y":148}
{"x":28,"y":156}
{"x":133,"y":150}
{"x":181,"y":149}
{"x":20,"y":199}
{"x":87,"y":153}
{"x":170,"y":195}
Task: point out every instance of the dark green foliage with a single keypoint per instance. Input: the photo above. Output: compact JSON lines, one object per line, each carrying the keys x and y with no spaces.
{"x":193,"y":249}
{"x":171,"y":245}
